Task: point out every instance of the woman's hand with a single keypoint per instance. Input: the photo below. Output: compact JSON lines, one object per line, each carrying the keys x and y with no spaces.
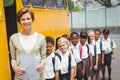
{"x":41,"y":67}
{"x":19,"y":71}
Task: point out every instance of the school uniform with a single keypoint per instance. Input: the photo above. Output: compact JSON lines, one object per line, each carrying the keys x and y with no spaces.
{"x":94,"y":51}
{"x":64,"y":73}
{"x":78,"y":58}
{"x":109,"y":44}
{"x":50,"y":73}
{"x":100,"y":48}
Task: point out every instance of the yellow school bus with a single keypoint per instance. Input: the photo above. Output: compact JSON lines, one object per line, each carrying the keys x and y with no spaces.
{"x":4,"y":59}
{"x":51,"y":19}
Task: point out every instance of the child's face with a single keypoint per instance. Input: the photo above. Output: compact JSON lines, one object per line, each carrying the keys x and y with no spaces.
{"x":97,"y":35}
{"x":105,"y":36}
{"x":74,"y":39}
{"x":82,"y":41}
{"x":63,"y":47}
{"x":49,"y":48}
{"x":91,"y":36}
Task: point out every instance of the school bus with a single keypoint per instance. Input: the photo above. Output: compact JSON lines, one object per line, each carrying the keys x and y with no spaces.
{"x":51,"y":16}
{"x":4,"y":59}
{"x":51,"y":19}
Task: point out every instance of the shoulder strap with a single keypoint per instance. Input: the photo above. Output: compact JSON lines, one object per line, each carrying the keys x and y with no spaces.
{"x":58,"y":56}
{"x":53,"y":61}
{"x":111,"y":43}
{"x":95,"y":52}
{"x":87,"y":48}
{"x":69,"y":66}
{"x":101,"y":44}
{"x":80,"y":51}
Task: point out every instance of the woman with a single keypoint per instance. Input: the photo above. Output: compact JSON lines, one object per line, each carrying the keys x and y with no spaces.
{"x":28,"y":49}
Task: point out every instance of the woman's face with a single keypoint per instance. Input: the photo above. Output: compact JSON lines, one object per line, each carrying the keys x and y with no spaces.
{"x":26,"y":21}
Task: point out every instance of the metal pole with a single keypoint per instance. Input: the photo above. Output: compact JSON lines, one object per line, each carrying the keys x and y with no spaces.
{"x":85,"y":16}
{"x":105,"y":16}
{"x":71,"y":21}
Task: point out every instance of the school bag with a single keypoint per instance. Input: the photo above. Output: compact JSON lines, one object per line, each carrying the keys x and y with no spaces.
{"x":69,"y":63}
{"x":80,"y":50}
{"x":111,"y":43}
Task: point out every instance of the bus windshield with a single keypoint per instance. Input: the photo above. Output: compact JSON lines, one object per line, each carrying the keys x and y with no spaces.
{"x":8,"y":2}
{"x":50,"y":4}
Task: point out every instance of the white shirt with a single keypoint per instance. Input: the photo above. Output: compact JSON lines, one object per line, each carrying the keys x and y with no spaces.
{"x":28,"y":41}
{"x":98,"y":42}
{"x":107,"y":45}
{"x":76,"y":52}
{"x":49,"y":66}
{"x":64,"y":62}
{"x":91,"y":48}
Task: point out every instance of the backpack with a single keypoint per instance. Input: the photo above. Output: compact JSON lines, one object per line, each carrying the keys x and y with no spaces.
{"x":69,"y":63}
{"x":81,"y":51}
{"x":111,"y":44}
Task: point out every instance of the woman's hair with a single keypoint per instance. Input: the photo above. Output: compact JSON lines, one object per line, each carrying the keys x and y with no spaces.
{"x":24,"y":11}
{"x":49,"y":39}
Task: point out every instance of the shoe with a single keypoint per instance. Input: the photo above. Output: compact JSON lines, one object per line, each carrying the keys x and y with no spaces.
{"x":103,"y":78}
{"x":109,"y":79}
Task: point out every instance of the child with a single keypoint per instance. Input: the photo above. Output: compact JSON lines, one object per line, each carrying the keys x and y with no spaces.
{"x":52,"y":69}
{"x":109,"y":45}
{"x":94,"y":57}
{"x":100,"y":48}
{"x":80,"y":60}
{"x":67,"y":60}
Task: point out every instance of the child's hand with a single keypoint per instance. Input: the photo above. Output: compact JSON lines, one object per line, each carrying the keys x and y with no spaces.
{"x":83,"y":72}
{"x":113,"y":56}
{"x":90,"y":68}
{"x":102,"y":62}
{"x":95,"y":67}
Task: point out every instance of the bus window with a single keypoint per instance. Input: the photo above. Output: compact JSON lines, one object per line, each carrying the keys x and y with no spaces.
{"x":26,"y":3}
{"x":38,"y":3}
{"x":50,"y":3}
{"x":59,"y":4}
{"x":64,"y":4}
{"x":8,"y":2}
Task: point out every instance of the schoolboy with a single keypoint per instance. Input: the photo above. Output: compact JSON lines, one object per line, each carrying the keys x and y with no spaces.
{"x":80,"y":59}
{"x":109,"y":45}
{"x":99,"y":42}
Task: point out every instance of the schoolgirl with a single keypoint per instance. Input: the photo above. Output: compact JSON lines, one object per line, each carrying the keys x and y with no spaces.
{"x":52,"y":61}
{"x":94,"y":54}
{"x":67,"y":60}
